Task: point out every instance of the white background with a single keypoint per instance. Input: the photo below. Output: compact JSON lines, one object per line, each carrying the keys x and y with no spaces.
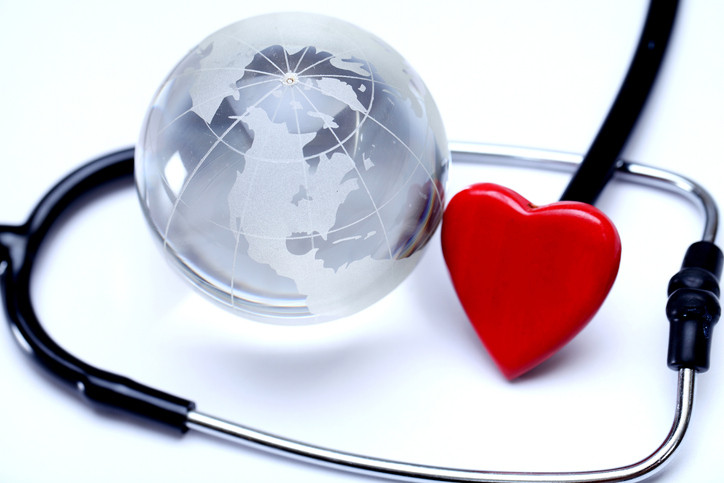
{"x":406,"y":378}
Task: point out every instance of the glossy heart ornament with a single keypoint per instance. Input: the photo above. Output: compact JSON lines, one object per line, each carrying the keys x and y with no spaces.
{"x":529,"y":278}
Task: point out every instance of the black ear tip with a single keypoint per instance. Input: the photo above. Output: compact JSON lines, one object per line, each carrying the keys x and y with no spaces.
{"x":704,"y":255}
{"x":693,"y":307}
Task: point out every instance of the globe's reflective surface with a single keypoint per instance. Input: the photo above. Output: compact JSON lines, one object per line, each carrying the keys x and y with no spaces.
{"x":293,"y":166}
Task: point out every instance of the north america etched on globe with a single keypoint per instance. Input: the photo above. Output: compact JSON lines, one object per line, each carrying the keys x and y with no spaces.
{"x":309,"y":209}
{"x":300,"y":180}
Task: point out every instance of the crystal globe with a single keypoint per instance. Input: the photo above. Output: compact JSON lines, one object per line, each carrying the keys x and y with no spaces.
{"x":293,"y":166}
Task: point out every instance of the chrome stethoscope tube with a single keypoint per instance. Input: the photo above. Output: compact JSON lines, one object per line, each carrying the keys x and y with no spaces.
{"x":413,"y":472}
{"x":531,"y":158}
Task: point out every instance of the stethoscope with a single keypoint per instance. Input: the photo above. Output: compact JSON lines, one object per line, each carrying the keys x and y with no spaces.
{"x":693,"y":310}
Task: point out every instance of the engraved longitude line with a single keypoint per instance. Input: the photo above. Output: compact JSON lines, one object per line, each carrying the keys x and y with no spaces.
{"x":367,"y":110}
{"x":257,"y":51}
{"x":369,"y":194}
{"x":276,"y":109}
{"x":394,"y":195}
{"x":312,"y":156}
{"x":215,"y":98}
{"x":370,"y":77}
{"x":344,"y":76}
{"x":242,"y":215}
{"x":339,"y":76}
{"x":232,"y":282}
{"x":233,"y":148}
{"x":286,"y":57}
{"x":282,"y":43}
{"x":332,"y":56}
{"x":356,"y":131}
{"x":240,"y":224}
{"x":219,"y":139}
{"x":224,"y":142}
{"x":300,"y":58}
{"x":414,"y":155}
{"x":254,"y":71}
{"x":339,"y":55}
{"x":259,"y":101}
{"x":305,"y":173}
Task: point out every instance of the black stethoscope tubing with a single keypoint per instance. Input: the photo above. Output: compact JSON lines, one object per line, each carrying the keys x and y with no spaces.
{"x":19,"y":247}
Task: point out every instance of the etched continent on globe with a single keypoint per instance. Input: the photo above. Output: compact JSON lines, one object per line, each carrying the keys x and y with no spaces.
{"x":293,"y":166}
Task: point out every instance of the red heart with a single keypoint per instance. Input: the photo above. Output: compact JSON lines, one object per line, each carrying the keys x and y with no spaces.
{"x":529,"y":278}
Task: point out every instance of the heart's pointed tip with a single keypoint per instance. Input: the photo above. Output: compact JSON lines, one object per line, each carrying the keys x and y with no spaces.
{"x":513,"y":372}
{"x":516,"y":373}
{"x":510,"y":376}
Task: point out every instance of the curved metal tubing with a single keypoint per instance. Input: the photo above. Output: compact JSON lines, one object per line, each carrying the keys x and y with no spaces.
{"x":413,"y":472}
{"x":529,"y":158}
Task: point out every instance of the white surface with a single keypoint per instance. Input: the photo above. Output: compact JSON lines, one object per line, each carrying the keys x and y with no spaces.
{"x":407,"y":378}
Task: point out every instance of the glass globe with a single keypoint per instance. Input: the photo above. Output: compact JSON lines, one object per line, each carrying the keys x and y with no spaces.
{"x":293,"y":166}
